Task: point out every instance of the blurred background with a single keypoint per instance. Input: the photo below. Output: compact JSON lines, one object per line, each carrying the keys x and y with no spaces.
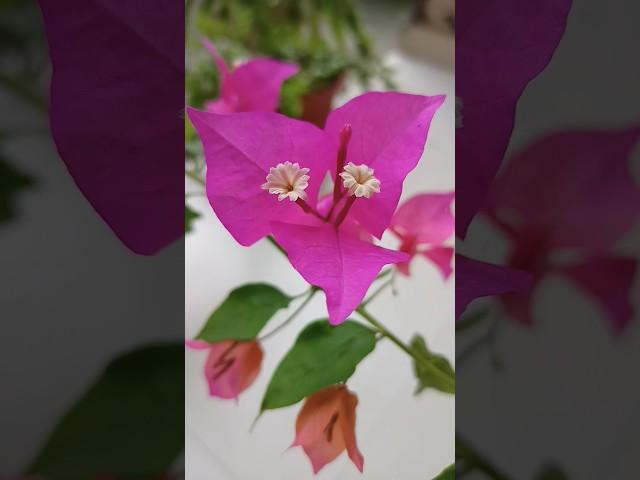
{"x":344,"y":49}
{"x":556,"y":398}
{"x":73,"y":297}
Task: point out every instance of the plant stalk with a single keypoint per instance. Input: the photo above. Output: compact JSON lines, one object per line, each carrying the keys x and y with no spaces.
{"x":422,"y":361}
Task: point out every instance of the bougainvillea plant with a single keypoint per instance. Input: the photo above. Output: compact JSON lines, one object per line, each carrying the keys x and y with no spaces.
{"x":323,"y":197}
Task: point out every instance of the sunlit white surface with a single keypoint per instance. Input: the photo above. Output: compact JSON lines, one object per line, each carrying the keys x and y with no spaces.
{"x":401,"y":436}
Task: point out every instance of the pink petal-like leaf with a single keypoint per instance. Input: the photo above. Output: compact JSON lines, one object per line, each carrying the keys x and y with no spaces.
{"x":425,"y":218}
{"x":342,"y":265}
{"x":441,"y":258}
{"x":116,"y":99}
{"x":559,"y":184}
{"x":217,"y":58}
{"x":475,"y":279}
{"x":255,"y":85}
{"x":501,"y":45}
{"x":239,"y":150}
{"x":608,"y":280}
{"x":389,"y":134}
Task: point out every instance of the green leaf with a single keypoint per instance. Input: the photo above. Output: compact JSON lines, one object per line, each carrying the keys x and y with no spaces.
{"x":244,"y":313}
{"x":189,"y":216}
{"x":11,"y":181}
{"x":323,"y":355}
{"x":130,"y":423}
{"x":425,"y":376}
{"x":448,"y":473}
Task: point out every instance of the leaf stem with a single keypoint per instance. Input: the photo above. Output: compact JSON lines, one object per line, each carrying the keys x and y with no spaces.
{"x":422,"y":361}
{"x":379,"y":290}
{"x":294,"y":314}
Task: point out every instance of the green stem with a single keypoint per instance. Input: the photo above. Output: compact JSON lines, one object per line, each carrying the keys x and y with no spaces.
{"x":385,"y":273}
{"x":294,"y":314}
{"x":446,"y":379}
{"x":378,"y":291}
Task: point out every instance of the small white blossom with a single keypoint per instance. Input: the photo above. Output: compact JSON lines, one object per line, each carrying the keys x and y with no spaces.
{"x":359,"y":180}
{"x":287,"y":180}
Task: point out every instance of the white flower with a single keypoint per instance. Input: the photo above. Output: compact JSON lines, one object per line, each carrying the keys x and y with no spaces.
{"x":287,"y":180}
{"x":359,"y":180}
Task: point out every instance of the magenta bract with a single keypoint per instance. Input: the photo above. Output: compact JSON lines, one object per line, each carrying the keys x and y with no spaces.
{"x":115,"y":111}
{"x":389,"y":135}
{"x":342,"y":265}
{"x":264,"y":172}
{"x":501,"y":45}
{"x":546,"y":200}
{"x":253,"y":86}
{"x":476,"y":279}
{"x":423,"y":223}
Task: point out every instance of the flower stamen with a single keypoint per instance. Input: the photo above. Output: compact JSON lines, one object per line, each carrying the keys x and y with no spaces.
{"x":359,"y":180}
{"x":287,"y":180}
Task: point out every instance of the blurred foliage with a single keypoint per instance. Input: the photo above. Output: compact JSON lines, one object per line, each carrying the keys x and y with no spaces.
{"x":324,"y":37}
{"x":129,"y":424}
{"x":23,"y":59}
{"x":11,"y":181}
{"x":190,"y":215}
{"x":22,"y":66}
{"x":426,"y":378}
{"x":448,"y":473}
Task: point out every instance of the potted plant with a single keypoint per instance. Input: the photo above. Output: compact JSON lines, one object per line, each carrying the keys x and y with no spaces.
{"x":324,"y":37}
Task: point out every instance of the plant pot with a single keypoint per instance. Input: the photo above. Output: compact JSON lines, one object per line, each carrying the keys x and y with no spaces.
{"x":316,"y":105}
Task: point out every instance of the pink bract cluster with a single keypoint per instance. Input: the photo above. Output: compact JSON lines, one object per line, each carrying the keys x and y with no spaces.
{"x":368,"y":147}
{"x":264,"y":176}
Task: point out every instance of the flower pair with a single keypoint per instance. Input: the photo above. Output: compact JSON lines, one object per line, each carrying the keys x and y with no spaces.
{"x":325,"y":426}
{"x":256,"y":160}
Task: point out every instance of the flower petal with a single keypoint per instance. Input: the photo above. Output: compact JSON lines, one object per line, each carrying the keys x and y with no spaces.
{"x":426,"y":217}
{"x":559,"y":184}
{"x":197,"y":344}
{"x":239,"y":151}
{"x":256,"y":84}
{"x":500,"y":47}
{"x":115,"y":111}
{"x":475,"y":279}
{"x":349,"y":401}
{"x":608,"y":280}
{"x":217,"y":58}
{"x":441,"y":258}
{"x":342,"y":265}
{"x":318,"y":427}
{"x":231,"y":367}
{"x":389,"y":134}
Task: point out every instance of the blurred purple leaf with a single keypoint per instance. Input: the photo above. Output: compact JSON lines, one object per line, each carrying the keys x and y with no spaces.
{"x":608,"y":281}
{"x":117,"y":92}
{"x":556,"y":187}
{"x":501,"y":45}
{"x":571,"y":192}
{"x":476,"y":279}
